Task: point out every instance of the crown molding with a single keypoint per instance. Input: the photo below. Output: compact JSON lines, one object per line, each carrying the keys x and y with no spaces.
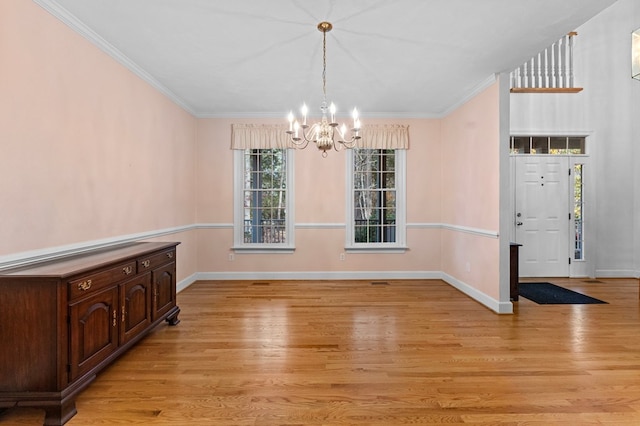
{"x":66,"y":17}
{"x":472,"y":94}
{"x":280,"y":115}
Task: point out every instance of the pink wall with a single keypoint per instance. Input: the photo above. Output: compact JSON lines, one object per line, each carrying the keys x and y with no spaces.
{"x":92,"y":152}
{"x":471,"y":192}
{"x":320,"y":202}
{"x":88,"y":150}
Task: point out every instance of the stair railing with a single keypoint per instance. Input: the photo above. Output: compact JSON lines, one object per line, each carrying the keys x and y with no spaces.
{"x":549,"y":71}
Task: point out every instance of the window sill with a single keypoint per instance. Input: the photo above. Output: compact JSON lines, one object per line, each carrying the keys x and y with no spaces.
{"x":264,"y":249}
{"x":376,"y":249}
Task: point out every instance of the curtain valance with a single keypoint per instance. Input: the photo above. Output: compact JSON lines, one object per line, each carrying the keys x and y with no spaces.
{"x":384,"y":136}
{"x":259,"y":136}
{"x":274,"y":136}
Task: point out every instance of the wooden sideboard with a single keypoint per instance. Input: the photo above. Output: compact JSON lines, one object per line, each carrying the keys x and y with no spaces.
{"x":65,"y":320}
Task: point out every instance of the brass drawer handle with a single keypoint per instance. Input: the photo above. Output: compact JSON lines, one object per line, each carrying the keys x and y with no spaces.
{"x":170,"y":255}
{"x":84,"y":285}
{"x":114,"y":317}
{"x":146,"y":263}
{"x":127,"y":270}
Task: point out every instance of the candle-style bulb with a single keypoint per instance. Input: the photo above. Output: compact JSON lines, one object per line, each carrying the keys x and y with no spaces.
{"x":332,"y":110}
{"x":290,"y":118}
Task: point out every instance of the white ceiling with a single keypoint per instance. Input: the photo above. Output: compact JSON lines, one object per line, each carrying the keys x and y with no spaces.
{"x":394,"y":58}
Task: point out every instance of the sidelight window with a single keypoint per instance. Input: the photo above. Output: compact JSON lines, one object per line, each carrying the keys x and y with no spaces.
{"x":578,"y":210}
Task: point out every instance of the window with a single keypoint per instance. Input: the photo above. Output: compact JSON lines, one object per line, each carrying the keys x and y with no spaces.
{"x":578,"y":210}
{"x":554,"y":145}
{"x":263,"y":213}
{"x":376,"y":199}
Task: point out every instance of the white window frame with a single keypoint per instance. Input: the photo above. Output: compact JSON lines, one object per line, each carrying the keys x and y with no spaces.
{"x":401,"y":201}
{"x":238,"y":211}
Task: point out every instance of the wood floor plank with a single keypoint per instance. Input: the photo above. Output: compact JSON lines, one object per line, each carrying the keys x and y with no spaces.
{"x":363,"y":353}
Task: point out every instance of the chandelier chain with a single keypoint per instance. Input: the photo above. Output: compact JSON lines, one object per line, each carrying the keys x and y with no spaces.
{"x":324,"y":64}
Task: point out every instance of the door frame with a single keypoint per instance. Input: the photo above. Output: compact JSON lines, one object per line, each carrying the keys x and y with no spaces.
{"x":577,"y":268}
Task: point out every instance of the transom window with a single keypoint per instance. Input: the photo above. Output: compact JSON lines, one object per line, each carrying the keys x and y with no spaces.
{"x":548,"y":145}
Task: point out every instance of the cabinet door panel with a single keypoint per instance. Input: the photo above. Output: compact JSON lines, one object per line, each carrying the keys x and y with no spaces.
{"x":164,"y":290}
{"x":135,"y":306}
{"x":94,"y":332}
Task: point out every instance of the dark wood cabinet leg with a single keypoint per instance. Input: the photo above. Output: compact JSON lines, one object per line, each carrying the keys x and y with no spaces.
{"x":173,"y":319}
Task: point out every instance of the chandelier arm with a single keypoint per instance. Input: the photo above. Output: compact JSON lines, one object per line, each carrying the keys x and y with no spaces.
{"x":311,"y":131}
{"x":300,"y":143}
{"x":351,"y":143}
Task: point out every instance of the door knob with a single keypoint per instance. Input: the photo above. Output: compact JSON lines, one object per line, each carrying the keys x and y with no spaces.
{"x":518,"y":223}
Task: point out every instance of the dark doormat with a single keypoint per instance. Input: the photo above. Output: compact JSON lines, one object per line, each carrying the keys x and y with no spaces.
{"x":551,"y":294}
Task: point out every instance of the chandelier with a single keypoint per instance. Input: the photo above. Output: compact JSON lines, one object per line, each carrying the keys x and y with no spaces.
{"x":326,"y":133}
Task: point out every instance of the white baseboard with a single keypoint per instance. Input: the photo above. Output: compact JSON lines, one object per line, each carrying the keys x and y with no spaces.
{"x":616,"y":273}
{"x":183,"y":284}
{"x":489,"y":302}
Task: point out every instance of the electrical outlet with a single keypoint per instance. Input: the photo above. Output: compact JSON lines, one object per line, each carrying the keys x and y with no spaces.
{"x":342,"y":257}
{"x":231,"y":257}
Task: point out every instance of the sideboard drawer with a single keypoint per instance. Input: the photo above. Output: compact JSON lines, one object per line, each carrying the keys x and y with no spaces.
{"x":157,"y":259}
{"x":82,"y":286}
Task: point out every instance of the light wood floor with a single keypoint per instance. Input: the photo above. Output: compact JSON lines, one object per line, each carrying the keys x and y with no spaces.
{"x":357,"y":353}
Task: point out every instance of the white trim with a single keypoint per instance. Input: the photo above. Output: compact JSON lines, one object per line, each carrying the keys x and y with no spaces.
{"x":264,"y":249}
{"x":320,"y":275}
{"x":469,"y":230}
{"x":424,"y":225}
{"x":213,"y":225}
{"x":473,"y":293}
{"x":78,"y":26}
{"x":472,"y":94}
{"x":377,"y":249}
{"x":51,"y":253}
{"x":182,"y":285}
{"x":320,"y":225}
{"x":486,"y":300}
{"x":476,"y":231}
{"x":238,"y":203}
{"x":401,"y":204}
{"x":265,"y":115}
{"x":616,"y":273}
{"x":551,"y":132}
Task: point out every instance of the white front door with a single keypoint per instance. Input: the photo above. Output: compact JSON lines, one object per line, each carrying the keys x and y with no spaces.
{"x":542,"y":220}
